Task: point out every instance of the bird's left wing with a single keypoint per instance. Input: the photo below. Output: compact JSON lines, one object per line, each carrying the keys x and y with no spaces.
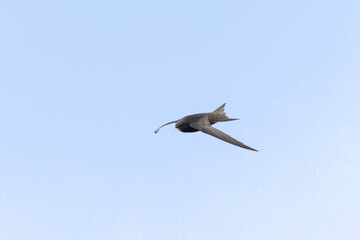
{"x":204,"y":126}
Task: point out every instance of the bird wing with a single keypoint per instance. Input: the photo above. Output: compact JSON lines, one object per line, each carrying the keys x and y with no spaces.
{"x":204,"y":126}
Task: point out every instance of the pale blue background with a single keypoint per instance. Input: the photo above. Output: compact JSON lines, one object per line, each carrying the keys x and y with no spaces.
{"x":84,"y":84}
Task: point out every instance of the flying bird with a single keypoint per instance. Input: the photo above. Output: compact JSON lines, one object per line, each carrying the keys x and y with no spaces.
{"x":203,"y":121}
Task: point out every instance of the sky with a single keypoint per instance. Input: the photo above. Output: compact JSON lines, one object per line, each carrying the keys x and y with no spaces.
{"x":84,"y":84}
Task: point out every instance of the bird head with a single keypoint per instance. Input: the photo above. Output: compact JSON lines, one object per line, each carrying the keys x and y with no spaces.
{"x":179,"y":124}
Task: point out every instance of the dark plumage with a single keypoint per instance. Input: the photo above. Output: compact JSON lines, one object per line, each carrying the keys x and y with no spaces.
{"x":203,"y":121}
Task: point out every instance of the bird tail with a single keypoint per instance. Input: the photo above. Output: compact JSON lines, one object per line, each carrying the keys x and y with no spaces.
{"x":221,"y":115}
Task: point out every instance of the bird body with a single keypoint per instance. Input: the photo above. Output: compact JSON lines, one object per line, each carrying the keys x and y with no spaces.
{"x":203,"y":121}
{"x":183,"y":124}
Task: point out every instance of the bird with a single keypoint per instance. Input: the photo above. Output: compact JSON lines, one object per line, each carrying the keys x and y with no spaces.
{"x":203,"y":121}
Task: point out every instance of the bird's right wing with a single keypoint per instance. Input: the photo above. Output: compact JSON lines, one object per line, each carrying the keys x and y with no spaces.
{"x":156,"y":131}
{"x":204,"y":126}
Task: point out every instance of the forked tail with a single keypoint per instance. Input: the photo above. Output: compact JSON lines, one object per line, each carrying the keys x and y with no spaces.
{"x":220,"y":111}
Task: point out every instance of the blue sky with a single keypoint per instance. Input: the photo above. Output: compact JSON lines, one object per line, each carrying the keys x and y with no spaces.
{"x":84,"y":84}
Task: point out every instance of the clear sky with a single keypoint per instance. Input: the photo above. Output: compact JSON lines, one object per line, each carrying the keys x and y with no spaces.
{"x":84,"y":84}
